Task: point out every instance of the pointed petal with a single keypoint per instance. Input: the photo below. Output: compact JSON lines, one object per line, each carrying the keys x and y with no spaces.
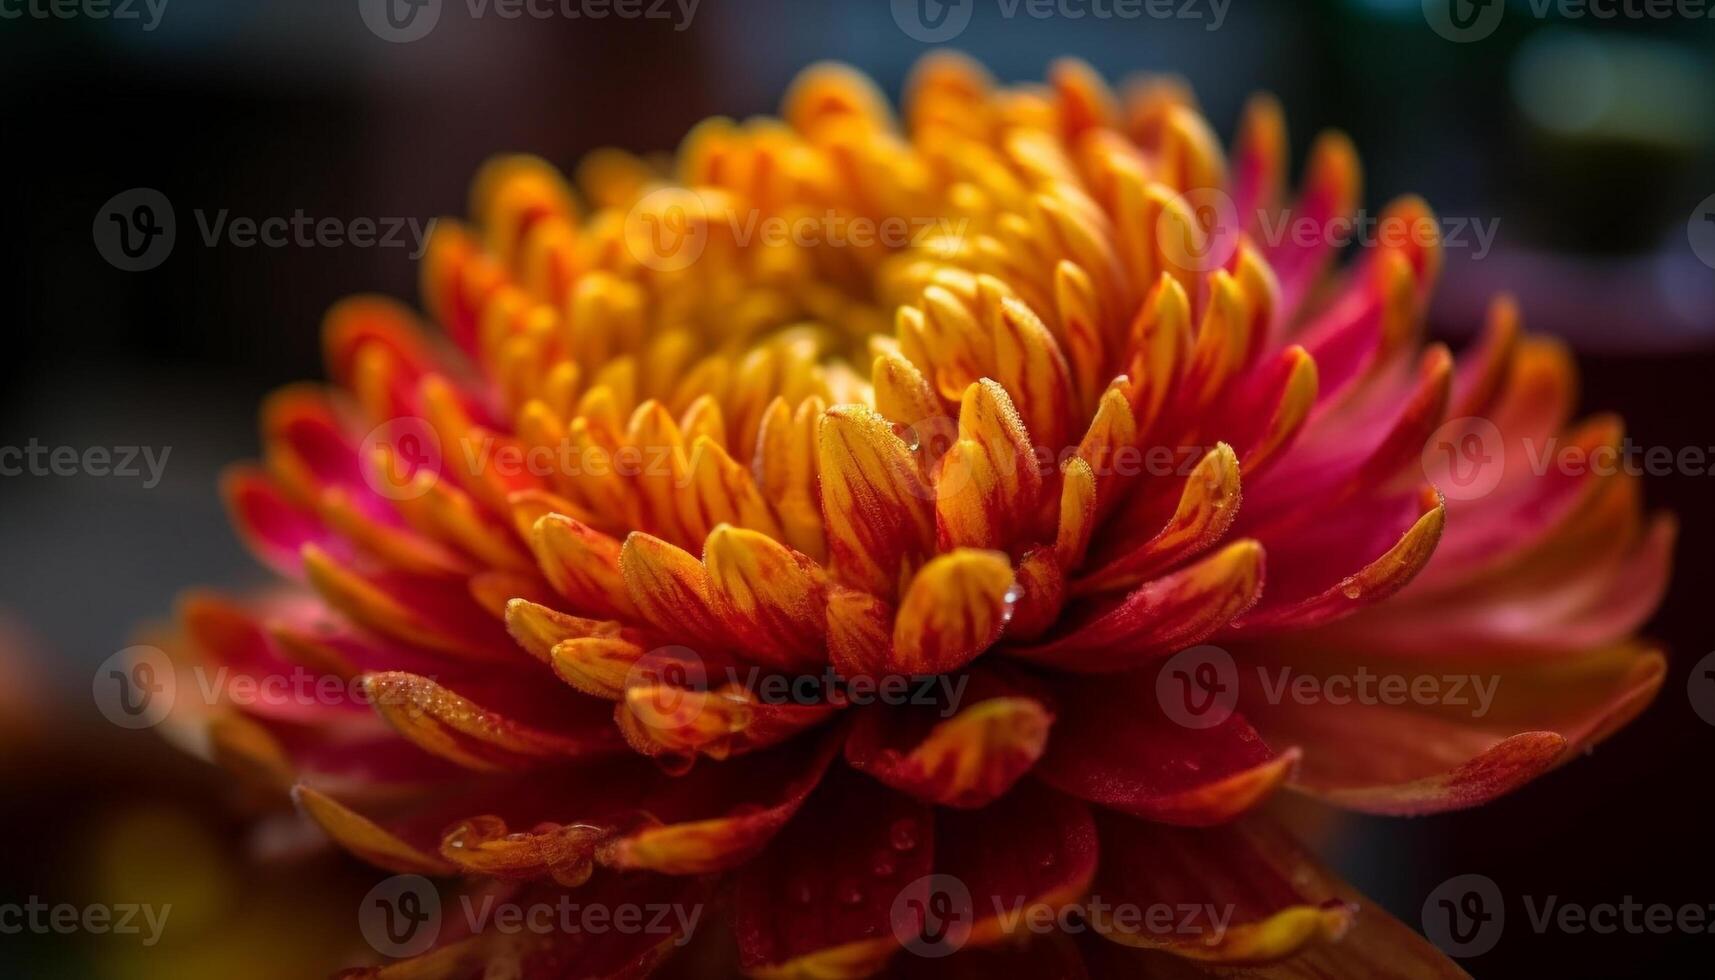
{"x":954,"y":609}
{"x":582,"y":564}
{"x":1160,"y":616}
{"x":815,"y":903}
{"x":461,"y":731}
{"x":876,"y":504}
{"x":966,"y":759}
{"x":1277,"y":899}
{"x":1116,"y":746}
{"x":987,"y":484}
{"x":773,"y":598}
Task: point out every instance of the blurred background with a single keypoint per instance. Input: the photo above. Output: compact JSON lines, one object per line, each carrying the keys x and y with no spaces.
{"x":1589,"y":141}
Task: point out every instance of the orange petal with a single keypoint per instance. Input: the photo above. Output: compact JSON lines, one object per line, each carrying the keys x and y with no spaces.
{"x":1272,"y":899}
{"x":1206,"y":510}
{"x":876,"y":504}
{"x":670,"y":590}
{"x":987,"y":483}
{"x":967,"y":760}
{"x":429,"y":613}
{"x":538,"y":629}
{"x":459,"y":730}
{"x":582,"y":564}
{"x":955,"y":608}
{"x":772,"y":597}
{"x":1160,"y":616}
{"x":860,"y":632}
{"x":365,"y":838}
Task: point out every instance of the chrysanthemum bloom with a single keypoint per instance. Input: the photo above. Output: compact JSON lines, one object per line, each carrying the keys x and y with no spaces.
{"x":971,"y":398}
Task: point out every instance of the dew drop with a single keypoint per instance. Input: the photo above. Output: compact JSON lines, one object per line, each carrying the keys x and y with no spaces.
{"x":903,"y":834}
{"x":883,"y":866}
{"x":1009,"y":602}
{"x":676,"y":763}
{"x":1352,"y":588}
{"x":909,"y":436}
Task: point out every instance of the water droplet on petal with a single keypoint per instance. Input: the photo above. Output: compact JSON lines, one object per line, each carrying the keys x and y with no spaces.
{"x":908,"y":435}
{"x":1009,"y":601}
{"x":903,"y":834}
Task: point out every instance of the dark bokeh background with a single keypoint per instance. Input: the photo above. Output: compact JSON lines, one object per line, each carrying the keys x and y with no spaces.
{"x":1590,"y":141}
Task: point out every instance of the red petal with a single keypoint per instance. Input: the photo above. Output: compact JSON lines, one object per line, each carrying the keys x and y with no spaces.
{"x":962,"y":759}
{"x":1160,"y":617}
{"x":1458,"y":747}
{"x":1115,"y":745}
{"x":818,"y":902}
{"x":1241,"y":893}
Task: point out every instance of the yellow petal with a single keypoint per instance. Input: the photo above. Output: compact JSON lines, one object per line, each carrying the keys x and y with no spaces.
{"x":955,"y":608}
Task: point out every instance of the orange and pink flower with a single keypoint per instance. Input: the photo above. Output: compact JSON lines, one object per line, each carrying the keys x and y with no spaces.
{"x":849,"y":464}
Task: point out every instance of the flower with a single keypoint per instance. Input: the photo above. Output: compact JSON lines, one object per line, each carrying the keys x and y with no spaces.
{"x":845,"y":530}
